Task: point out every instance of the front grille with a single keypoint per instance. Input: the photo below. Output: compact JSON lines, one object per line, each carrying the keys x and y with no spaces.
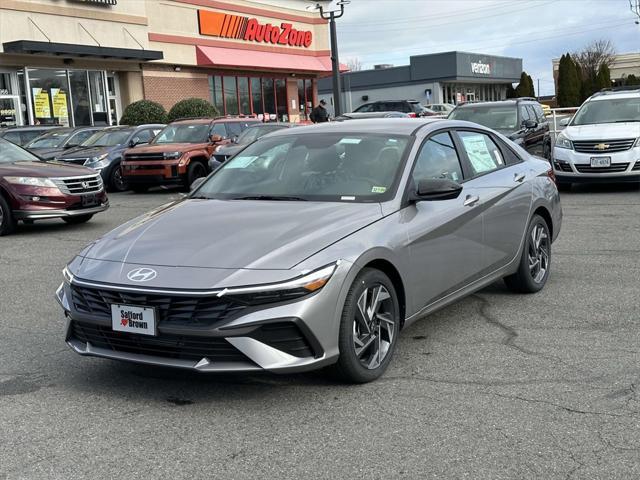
{"x":145,"y":156}
{"x":172,"y":310}
{"x":636,"y":167}
{"x":79,"y":185}
{"x":614,"y":168}
{"x":562,"y":166}
{"x":183,"y":347}
{"x":75,"y":161}
{"x":143,"y":167}
{"x":284,"y":336}
{"x":606,"y":146}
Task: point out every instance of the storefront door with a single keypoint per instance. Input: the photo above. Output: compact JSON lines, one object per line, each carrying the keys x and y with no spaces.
{"x":10,"y":111}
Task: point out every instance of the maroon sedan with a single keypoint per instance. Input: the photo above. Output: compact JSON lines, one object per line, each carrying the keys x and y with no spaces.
{"x":31,"y":189}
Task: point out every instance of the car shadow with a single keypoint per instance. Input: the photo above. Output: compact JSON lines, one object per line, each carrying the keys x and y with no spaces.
{"x":595,"y":188}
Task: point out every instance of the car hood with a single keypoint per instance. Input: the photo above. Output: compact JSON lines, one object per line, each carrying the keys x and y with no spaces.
{"x":603,"y":131}
{"x":232,"y":234}
{"x":43,"y":169}
{"x":167,"y":147}
{"x":47,"y":153}
{"x":87,"y":152}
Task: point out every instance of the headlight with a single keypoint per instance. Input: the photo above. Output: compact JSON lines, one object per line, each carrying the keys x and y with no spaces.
{"x":171,"y":155}
{"x":31,"y":181}
{"x":217,"y":149}
{"x":99,"y":162}
{"x":563,"y":142}
{"x":68,"y":276}
{"x":280,"y":292}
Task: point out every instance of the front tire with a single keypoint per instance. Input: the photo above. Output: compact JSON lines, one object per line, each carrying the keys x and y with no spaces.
{"x":78,"y":219}
{"x":117,"y":183}
{"x":7,"y":222}
{"x":369,"y":328}
{"x":535,"y":262}
{"x":196,"y":170}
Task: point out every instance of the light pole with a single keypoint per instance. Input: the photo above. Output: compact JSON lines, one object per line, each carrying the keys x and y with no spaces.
{"x":331,"y":15}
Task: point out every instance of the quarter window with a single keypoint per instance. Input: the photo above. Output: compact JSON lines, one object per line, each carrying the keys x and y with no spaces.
{"x":483,"y":154}
{"x":438,"y":159}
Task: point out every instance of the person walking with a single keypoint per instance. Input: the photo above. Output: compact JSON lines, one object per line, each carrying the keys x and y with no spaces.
{"x":319,"y":114}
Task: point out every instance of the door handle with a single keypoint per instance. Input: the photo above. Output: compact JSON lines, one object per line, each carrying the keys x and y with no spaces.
{"x":519,"y":177}
{"x":470,"y":201}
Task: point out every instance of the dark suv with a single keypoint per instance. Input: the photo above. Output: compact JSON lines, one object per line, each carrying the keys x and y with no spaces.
{"x":180,"y":152}
{"x":413,"y":108}
{"x":520,"y":119}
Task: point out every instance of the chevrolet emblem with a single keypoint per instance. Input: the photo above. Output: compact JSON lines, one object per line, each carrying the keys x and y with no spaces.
{"x":602,"y":146}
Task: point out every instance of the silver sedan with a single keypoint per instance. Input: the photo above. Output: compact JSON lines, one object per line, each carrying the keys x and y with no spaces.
{"x":314,"y":247}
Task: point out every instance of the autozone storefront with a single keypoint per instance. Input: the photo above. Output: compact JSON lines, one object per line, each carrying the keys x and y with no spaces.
{"x":245,"y":58}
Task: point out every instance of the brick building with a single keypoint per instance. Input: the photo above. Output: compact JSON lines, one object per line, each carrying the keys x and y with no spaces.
{"x":80,"y":62}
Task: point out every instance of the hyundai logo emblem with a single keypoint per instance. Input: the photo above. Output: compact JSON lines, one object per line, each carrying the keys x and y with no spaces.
{"x":142,"y":274}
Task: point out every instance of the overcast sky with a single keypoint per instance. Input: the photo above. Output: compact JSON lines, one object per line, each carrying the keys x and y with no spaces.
{"x":389,"y":31}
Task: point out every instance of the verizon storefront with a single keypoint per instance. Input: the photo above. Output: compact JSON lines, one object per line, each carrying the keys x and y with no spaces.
{"x":243,"y":57}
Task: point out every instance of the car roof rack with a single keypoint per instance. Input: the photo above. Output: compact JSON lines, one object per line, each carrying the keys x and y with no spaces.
{"x":526,"y":98}
{"x":622,"y":88}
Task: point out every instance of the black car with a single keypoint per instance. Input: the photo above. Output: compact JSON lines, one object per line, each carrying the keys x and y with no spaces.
{"x":413,"y":108}
{"x":23,"y":135}
{"x":521,"y":120}
{"x":55,"y":142}
{"x":103,"y":151}
{"x":363,"y":116}
{"x":223,"y":152}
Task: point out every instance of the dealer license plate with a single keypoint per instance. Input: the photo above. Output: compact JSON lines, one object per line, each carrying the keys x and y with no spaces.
{"x":600,"y":162}
{"x":90,"y":200}
{"x":132,"y":319}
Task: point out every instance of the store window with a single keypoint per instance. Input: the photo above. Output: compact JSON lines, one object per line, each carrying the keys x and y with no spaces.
{"x":256,"y":96}
{"x":243,"y":96}
{"x":269,"y":98}
{"x":98,"y":99}
{"x":305,"y":97}
{"x":113,"y":91}
{"x":49,"y":91}
{"x":281,"y":100}
{"x":230,"y":95}
{"x":215,"y":90}
{"x":10,"y":111}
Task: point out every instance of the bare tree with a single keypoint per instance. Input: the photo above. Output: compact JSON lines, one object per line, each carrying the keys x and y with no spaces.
{"x":591,"y":58}
{"x":354,"y":64}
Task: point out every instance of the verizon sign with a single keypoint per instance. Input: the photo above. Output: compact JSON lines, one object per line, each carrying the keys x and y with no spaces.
{"x":480,"y":68}
{"x":225,"y":25}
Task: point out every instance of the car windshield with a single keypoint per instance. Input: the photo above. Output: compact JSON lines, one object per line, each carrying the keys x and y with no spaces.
{"x":107,"y":138}
{"x":252,"y":134}
{"x":498,"y":118}
{"x":614,"y":110}
{"x":49,"y":140}
{"x":10,"y":152}
{"x":352,"y":167}
{"x":183,"y":133}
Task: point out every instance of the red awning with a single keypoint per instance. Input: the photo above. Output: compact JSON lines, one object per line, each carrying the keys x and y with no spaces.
{"x":238,"y":58}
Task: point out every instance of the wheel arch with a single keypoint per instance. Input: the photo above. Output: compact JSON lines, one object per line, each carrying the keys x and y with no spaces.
{"x":546,"y":214}
{"x":386,"y":267}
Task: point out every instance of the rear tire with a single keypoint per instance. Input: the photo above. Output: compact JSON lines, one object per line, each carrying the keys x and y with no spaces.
{"x":535,"y":262}
{"x":369,"y":328}
{"x":7,"y":222}
{"x":78,"y":219}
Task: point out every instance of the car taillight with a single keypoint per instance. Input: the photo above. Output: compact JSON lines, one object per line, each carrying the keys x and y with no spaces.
{"x":413,"y":114}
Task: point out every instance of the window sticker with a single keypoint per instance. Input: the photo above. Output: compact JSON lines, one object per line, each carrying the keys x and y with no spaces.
{"x":241,"y":162}
{"x":347,"y":197}
{"x":352,"y":141}
{"x":378,"y":189}
{"x":478,"y":152}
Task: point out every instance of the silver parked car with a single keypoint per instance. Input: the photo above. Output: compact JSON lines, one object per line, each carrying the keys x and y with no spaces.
{"x":314,"y":247}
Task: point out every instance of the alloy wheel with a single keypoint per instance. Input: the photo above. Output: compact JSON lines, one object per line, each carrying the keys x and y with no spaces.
{"x":538,"y":253}
{"x":119,"y":183}
{"x":374,"y":326}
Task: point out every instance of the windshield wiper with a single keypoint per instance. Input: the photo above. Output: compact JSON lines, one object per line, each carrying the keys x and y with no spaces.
{"x":271,"y":197}
{"x":200,"y":197}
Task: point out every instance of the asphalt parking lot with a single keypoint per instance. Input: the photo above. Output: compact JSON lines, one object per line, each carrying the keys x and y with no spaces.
{"x":497,"y":386}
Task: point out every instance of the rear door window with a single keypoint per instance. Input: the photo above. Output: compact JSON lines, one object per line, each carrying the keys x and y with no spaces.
{"x":219,"y":129}
{"x":13,"y":137}
{"x":532,"y":113}
{"x":367,"y":107}
{"x":234,"y":129}
{"x":483,"y":154}
{"x":539,"y":113}
{"x":524,"y":114}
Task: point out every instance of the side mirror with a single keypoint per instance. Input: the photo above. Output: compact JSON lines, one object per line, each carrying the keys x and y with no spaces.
{"x":133,"y":142}
{"x":565,"y":121}
{"x":234,"y":139}
{"x":436,"y":189}
{"x":215,"y":138}
{"x":196,"y":183}
{"x":529,"y":124}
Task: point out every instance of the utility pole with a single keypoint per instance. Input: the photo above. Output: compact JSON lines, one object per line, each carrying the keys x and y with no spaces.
{"x":331,"y":15}
{"x":538,"y":89}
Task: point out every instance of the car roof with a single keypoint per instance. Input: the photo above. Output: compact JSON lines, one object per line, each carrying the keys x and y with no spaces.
{"x":496,"y":103}
{"x":215,"y":120}
{"x":391,"y":126}
{"x":31,"y":127}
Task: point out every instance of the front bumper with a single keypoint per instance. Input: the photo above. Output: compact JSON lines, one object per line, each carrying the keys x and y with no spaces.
{"x":55,"y":213}
{"x":292,"y":336}
{"x":153,"y":172}
{"x":570,"y":166}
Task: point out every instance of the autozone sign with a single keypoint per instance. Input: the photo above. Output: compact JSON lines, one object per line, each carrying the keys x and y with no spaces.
{"x":224,"y":25}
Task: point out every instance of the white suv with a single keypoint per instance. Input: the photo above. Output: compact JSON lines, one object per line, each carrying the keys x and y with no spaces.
{"x":601,"y":141}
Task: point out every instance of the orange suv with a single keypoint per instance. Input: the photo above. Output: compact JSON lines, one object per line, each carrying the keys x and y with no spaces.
{"x":179,"y":154}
